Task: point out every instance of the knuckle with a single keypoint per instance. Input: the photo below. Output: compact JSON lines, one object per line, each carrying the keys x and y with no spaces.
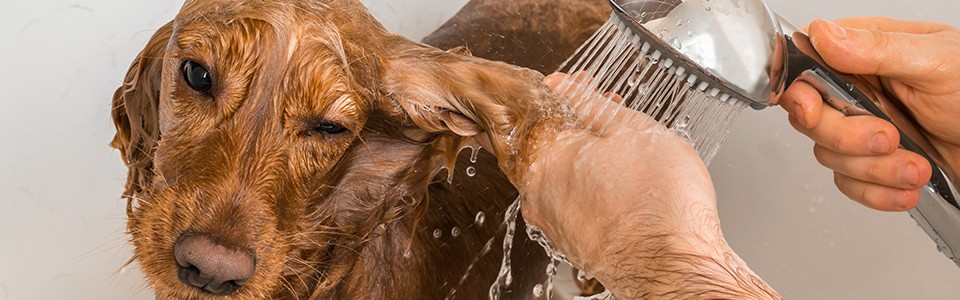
{"x":839,"y":142}
{"x":882,"y":45}
{"x":874,"y":172}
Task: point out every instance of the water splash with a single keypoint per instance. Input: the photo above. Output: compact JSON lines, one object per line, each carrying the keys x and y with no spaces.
{"x":582,"y":276}
{"x":538,"y":290}
{"x":463,"y":279}
{"x":481,"y":217}
{"x":505,"y":277}
{"x":556,"y":258}
{"x":616,"y":61}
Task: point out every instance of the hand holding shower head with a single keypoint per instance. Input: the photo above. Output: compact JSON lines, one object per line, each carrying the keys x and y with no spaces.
{"x":693,"y":63}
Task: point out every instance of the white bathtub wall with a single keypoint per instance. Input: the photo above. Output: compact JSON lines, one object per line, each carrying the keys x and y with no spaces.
{"x":61,"y":221}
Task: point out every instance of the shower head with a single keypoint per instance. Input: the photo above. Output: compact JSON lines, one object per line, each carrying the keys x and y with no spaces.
{"x":740,"y":51}
{"x":726,"y":41}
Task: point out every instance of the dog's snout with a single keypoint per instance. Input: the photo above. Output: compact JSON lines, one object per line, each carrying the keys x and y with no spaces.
{"x":212,"y":267}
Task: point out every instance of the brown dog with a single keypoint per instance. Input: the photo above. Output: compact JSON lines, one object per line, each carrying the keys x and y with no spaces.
{"x":292,"y":149}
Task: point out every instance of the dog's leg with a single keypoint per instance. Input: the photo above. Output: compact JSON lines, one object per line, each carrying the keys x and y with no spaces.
{"x":537,"y":34}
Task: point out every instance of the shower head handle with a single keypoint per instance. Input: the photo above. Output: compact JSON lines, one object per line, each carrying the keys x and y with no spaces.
{"x":745,"y":51}
{"x":938,"y":211}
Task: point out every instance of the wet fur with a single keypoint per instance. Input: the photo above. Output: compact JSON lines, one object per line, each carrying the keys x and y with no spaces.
{"x":332,"y":216}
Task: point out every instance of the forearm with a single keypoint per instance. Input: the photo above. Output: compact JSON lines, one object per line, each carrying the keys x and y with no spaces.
{"x":667,"y":267}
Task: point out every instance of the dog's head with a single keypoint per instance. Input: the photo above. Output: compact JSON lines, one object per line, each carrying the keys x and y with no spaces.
{"x":268,"y":140}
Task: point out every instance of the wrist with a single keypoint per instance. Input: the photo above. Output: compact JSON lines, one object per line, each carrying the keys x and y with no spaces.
{"x":679,"y":266}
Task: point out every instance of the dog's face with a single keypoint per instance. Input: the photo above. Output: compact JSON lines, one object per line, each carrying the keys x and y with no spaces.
{"x":269,"y":141}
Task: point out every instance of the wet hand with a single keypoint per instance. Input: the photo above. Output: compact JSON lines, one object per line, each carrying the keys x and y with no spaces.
{"x":633,"y":206}
{"x":919,"y":62}
{"x":597,"y":196}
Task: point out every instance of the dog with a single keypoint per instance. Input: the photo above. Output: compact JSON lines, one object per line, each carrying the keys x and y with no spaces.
{"x":297,"y":150}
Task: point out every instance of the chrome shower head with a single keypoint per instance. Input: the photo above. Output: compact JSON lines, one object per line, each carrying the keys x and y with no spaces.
{"x":729,"y":42}
{"x":745,"y":52}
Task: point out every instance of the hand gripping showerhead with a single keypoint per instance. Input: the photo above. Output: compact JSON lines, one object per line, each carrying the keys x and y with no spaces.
{"x":739,"y":51}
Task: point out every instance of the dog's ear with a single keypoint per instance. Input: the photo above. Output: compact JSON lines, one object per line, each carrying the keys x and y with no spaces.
{"x":456,"y":93}
{"x":135,"y":111}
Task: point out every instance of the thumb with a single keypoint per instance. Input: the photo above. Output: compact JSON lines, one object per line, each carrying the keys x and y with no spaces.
{"x":897,"y":55}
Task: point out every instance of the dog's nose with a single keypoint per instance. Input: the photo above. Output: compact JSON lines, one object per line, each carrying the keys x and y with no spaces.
{"x":210,"y":266}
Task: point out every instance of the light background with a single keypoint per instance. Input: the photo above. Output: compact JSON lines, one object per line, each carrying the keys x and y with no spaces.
{"x":62,"y":222}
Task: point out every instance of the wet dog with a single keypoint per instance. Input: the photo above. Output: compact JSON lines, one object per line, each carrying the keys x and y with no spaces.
{"x":296,"y":149}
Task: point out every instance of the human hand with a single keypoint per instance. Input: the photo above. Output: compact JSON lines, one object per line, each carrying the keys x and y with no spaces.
{"x":919,"y":63}
{"x":587,"y":191}
{"x":634,"y":207}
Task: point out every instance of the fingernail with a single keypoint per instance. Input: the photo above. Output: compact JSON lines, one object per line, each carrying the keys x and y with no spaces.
{"x":904,"y":200}
{"x":799,"y":114}
{"x":909,"y":173}
{"x":838,"y":33}
{"x":879,"y":144}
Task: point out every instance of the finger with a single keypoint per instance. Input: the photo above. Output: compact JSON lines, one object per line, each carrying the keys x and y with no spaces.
{"x":901,"y":169}
{"x":597,"y":111}
{"x":876,"y":196}
{"x":893,"y":54}
{"x":853,"y":135}
{"x":892,"y":25}
{"x":804,"y":103}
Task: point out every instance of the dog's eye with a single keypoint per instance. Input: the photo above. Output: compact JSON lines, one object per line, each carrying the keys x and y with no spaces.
{"x":328,"y":128}
{"x":197,"y":76}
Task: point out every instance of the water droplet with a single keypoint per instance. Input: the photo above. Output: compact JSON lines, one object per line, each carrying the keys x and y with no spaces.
{"x":538,"y":290}
{"x":850,"y":87}
{"x":471,"y":171}
{"x":551,"y":269}
{"x":663,"y":33}
{"x":634,"y":80}
{"x":475,"y":151}
{"x":690,"y":33}
{"x":455,"y":232}
{"x":437,"y":233}
{"x":582,"y":276}
{"x":408,"y":254}
{"x":680,"y":22}
{"x":707,"y":8}
{"x":481,"y":217}
{"x":675,"y":43}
